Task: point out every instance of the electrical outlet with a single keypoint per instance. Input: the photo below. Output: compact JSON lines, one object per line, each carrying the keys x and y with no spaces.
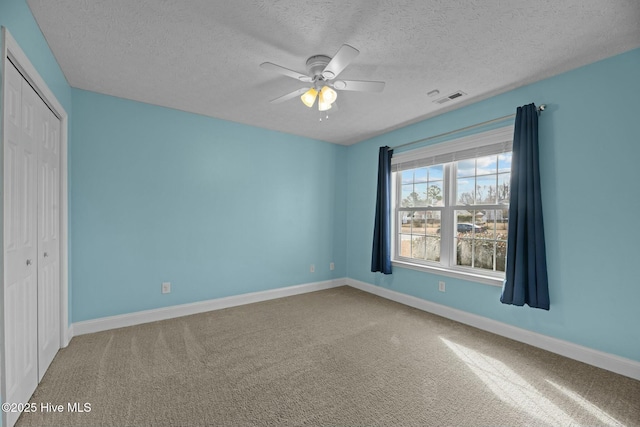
{"x":332,"y":266}
{"x":166,"y":287}
{"x":312,"y":269}
{"x":441,"y":287}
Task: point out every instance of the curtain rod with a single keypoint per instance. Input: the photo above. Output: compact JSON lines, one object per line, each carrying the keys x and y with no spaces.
{"x":499,"y":119}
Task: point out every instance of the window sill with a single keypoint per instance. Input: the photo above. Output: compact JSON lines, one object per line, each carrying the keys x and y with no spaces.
{"x":472,"y":277}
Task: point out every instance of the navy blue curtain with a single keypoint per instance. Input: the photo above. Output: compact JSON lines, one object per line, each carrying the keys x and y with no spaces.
{"x":526,"y":271}
{"x":381,"y":254}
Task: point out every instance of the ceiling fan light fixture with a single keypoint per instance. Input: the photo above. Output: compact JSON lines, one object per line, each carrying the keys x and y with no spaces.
{"x":309,"y":97}
{"x":323,"y":106}
{"x":328,"y":95}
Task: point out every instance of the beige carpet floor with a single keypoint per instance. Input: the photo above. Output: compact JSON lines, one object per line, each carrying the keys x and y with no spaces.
{"x":336,"y":357}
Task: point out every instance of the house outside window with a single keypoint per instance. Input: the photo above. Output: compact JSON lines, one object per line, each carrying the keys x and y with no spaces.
{"x":451,"y":206}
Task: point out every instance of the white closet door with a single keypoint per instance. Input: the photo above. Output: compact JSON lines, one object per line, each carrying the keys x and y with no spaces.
{"x":20,"y":237}
{"x":48,"y":240}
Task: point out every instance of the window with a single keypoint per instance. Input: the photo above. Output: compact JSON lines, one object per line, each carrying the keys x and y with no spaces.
{"x":451,"y":205}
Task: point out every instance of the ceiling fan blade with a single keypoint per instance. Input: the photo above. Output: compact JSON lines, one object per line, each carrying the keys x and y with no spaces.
{"x":342,"y":58}
{"x":289,"y":95}
{"x":358,"y":85}
{"x":287,"y":72}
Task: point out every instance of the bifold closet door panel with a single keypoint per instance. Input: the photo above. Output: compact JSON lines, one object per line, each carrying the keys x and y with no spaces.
{"x":48,"y":241}
{"x":22,"y":107}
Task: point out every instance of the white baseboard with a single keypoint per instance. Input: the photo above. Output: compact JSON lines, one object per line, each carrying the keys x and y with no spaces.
{"x":146,"y":316}
{"x":67,"y":335}
{"x":610,"y":362}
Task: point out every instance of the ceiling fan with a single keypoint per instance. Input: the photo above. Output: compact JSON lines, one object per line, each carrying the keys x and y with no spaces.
{"x":322,"y":73}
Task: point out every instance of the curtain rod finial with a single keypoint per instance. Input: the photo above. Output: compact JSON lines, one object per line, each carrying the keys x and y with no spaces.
{"x":542,"y":107}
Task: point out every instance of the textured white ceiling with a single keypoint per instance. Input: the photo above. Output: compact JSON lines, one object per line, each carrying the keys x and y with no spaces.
{"x":203,"y":56}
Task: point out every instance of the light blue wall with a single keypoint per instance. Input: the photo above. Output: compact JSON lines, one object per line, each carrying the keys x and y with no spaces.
{"x":216,"y":208}
{"x":589,"y":150}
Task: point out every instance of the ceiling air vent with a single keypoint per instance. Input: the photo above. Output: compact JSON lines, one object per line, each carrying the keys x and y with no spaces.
{"x":450,"y":97}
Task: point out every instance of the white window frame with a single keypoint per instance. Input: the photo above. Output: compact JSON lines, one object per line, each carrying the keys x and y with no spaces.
{"x":473,"y":146}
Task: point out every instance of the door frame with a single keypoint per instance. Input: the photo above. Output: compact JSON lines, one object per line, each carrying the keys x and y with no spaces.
{"x":11,"y":50}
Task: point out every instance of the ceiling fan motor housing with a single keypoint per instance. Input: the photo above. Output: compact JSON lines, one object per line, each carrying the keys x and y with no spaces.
{"x":316,"y":64}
